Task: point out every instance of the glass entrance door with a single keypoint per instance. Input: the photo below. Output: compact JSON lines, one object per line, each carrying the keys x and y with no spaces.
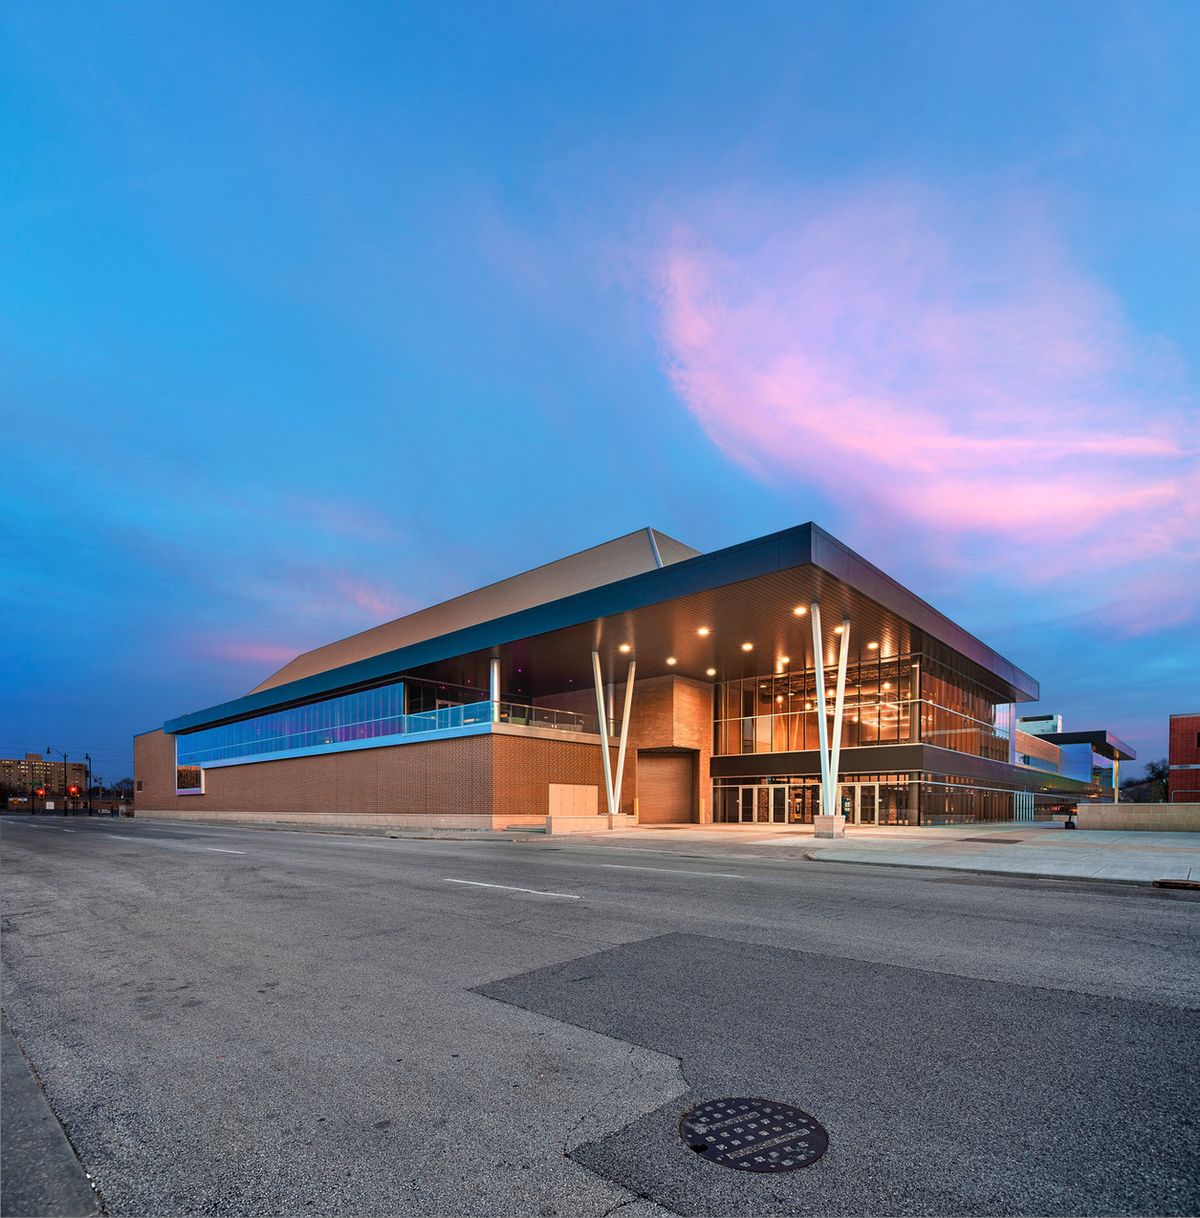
{"x":778,"y":798}
{"x":868,"y":801}
{"x":858,"y":802}
{"x":746,"y":805}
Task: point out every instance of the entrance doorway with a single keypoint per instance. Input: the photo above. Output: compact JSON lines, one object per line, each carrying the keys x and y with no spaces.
{"x":858,"y":802}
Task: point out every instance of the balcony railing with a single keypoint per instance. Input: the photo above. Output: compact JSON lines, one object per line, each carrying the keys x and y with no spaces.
{"x":447,"y":718}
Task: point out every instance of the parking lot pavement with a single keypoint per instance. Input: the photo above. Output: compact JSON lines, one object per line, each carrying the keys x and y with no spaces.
{"x":229,"y":1021}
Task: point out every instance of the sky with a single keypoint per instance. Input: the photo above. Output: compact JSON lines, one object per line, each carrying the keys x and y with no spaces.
{"x":314,"y":314}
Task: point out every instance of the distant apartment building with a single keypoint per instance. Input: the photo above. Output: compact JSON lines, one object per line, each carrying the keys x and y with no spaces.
{"x":1183,"y":760}
{"x":22,"y":776}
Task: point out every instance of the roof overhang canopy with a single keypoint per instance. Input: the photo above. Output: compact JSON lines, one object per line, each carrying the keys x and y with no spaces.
{"x":1102,"y":742}
{"x":744,"y":594}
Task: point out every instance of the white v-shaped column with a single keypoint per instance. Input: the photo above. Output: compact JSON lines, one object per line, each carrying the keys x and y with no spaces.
{"x":830,"y":752}
{"x":612,"y":783}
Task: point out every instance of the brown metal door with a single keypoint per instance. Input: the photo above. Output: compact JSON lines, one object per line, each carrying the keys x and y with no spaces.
{"x":665,"y":794}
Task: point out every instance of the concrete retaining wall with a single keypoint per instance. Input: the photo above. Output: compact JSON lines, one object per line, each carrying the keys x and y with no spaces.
{"x":1158,"y":818}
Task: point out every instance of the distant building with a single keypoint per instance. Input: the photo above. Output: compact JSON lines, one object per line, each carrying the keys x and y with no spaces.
{"x":1092,"y":757}
{"x":23,"y":776}
{"x":1040,"y":725}
{"x":1183,"y":760}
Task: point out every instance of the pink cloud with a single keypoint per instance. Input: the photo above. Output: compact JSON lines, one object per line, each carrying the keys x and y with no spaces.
{"x":960,"y":380}
{"x":250,"y":652}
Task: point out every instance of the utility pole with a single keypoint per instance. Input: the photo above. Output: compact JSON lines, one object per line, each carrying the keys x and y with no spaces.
{"x":66,"y":806}
{"x":88,"y":758}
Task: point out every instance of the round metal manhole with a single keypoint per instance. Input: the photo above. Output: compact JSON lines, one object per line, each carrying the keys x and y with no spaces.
{"x":753,"y":1135}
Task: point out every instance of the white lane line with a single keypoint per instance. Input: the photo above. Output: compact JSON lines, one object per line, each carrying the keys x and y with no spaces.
{"x":123,"y":836}
{"x":68,"y":830}
{"x":222,"y":850}
{"x":537,"y":892}
{"x":721,"y":875}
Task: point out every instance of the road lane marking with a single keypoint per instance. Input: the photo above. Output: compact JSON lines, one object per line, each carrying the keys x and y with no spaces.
{"x":68,"y":830}
{"x":222,"y":850}
{"x":721,"y":875}
{"x":537,"y":892}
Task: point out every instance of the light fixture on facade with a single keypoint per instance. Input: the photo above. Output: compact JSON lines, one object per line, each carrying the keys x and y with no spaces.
{"x":671,"y":661}
{"x":872,"y":646}
{"x":747,"y":646}
{"x":800,"y":610}
{"x":784,"y":660}
{"x":624,"y":649}
{"x":711,"y":672}
{"x":779,"y":697}
{"x":704,"y":631}
{"x":887,"y":685}
{"x":838,"y":629}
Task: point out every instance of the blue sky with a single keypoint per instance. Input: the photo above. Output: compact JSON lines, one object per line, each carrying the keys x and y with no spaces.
{"x":314,"y":314}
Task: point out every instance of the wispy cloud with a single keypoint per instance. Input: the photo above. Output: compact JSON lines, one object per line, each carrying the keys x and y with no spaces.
{"x":948,"y":374}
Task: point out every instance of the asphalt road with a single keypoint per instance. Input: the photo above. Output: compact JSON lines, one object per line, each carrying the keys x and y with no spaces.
{"x":234,"y":1021}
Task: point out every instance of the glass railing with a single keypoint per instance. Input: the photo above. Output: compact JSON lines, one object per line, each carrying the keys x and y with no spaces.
{"x":545,"y":716}
{"x":446,"y":718}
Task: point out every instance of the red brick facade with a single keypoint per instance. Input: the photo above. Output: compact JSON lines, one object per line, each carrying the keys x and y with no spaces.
{"x":1183,"y":777}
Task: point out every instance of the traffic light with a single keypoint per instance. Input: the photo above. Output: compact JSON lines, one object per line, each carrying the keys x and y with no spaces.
{"x":73,"y":789}
{"x":40,"y":792}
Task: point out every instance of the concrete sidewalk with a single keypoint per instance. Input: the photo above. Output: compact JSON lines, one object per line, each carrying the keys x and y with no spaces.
{"x":1026,"y":849}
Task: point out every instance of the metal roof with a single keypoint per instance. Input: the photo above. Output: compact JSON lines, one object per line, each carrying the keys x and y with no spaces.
{"x":744,"y":593}
{"x":1102,"y":742}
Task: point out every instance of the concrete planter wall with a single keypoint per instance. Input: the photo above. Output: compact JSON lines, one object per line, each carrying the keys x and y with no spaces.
{"x":1159,"y":818}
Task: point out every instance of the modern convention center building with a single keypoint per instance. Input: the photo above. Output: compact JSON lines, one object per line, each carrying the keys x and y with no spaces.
{"x":775,"y":682}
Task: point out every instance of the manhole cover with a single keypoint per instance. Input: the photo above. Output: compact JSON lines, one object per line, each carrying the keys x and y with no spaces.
{"x":753,"y":1135}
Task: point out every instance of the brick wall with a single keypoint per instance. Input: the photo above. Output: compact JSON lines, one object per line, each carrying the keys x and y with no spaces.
{"x":437,"y":778}
{"x":1183,"y":784}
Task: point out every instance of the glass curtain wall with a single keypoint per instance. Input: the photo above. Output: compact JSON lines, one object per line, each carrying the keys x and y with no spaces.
{"x":897,"y":700}
{"x":357,"y":716}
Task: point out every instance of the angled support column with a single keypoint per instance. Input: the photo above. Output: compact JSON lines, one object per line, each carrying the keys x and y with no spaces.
{"x":624,"y":737}
{"x":602,"y":723}
{"x":835,"y":752}
{"x":814,"y":611}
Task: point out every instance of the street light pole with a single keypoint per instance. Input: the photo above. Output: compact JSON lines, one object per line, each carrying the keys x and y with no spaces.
{"x":63,"y":755}
{"x":88,"y":758}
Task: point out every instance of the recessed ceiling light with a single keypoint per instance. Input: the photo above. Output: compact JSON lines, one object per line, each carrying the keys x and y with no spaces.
{"x":785,"y":659}
{"x":872,"y":646}
{"x":624,"y":649}
{"x":671,"y":660}
{"x":704,"y":632}
{"x":712,"y":672}
{"x":887,"y":685}
{"x":838,"y":629}
{"x":779,"y":697}
{"x":800,"y":610}
{"x":747,"y":646}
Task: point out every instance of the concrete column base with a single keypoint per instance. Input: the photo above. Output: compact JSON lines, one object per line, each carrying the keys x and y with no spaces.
{"x":829,"y":826}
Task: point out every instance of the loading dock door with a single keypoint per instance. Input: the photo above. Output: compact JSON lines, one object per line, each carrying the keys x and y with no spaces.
{"x":665,"y":788}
